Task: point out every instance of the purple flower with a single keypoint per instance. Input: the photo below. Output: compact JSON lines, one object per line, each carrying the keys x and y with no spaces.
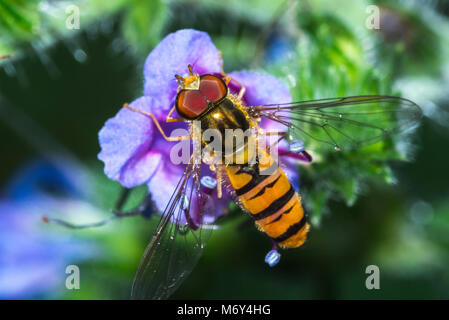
{"x":34,"y":255}
{"x":133,"y":150}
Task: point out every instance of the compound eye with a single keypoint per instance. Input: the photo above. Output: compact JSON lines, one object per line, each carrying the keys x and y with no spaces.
{"x":191,"y":103}
{"x":213,"y":88}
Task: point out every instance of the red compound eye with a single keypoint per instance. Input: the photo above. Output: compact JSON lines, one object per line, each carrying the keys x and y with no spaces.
{"x":213,"y":88}
{"x":192,"y":103}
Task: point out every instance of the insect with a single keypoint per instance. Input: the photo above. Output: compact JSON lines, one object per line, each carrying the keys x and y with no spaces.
{"x":260,"y":186}
{"x":265,"y":193}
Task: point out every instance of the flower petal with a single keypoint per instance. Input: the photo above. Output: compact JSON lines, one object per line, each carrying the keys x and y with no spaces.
{"x":172,"y":56}
{"x":288,"y":162}
{"x":163,"y":183}
{"x":125,"y":142}
{"x":262,"y":89}
{"x":291,"y":169}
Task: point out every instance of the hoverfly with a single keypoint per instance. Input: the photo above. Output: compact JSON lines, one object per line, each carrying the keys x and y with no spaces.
{"x":270,"y":199}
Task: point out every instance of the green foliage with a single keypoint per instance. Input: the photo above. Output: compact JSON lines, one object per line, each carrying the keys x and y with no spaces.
{"x":19,"y":17}
{"x":376,"y":218}
{"x":407,"y":36}
{"x":144,"y":22}
{"x":18,"y":21}
{"x":44,"y":21}
{"x":331,"y":62}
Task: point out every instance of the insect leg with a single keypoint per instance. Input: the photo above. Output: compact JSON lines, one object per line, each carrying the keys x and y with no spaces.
{"x":156,"y":122}
{"x":242,"y":89}
{"x":219,"y":181}
{"x":281,"y":137}
{"x":275,"y":134}
{"x":170,"y":119}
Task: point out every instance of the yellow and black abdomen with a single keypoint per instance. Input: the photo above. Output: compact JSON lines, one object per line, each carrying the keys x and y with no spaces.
{"x":271,"y":200}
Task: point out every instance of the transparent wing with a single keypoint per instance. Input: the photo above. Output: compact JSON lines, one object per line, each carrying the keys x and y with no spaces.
{"x":344,"y":123}
{"x":178,"y":241}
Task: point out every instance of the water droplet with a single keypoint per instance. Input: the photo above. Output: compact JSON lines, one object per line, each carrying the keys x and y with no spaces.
{"x":10,"y":69}
{"x":272,"y":258}
{"x":421,"y":212}
{"x":208,"y":182}
{"x":184,"y":202}
{"x":80,"y":55}
{"x":296,"y":146}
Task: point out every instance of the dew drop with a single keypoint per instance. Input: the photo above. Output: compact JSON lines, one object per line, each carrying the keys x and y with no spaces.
{"x":80,"y":55}
{"x":421,"y":212}
{"x":296,"y":146}
{"x":272,"y":258}
{"x":184,"y":202}
{"x":10,"y":69}
{"x":208,"y":182}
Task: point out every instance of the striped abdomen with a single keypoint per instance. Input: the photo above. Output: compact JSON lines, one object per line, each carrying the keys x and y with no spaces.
{"x":271,"y":201}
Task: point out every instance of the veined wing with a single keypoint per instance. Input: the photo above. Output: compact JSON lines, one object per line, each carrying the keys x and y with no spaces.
{"x":178,"y":241}
{"x":344,"y":123}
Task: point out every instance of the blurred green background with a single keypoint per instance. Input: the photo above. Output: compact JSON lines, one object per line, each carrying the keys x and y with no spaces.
{"x":385,"y":205}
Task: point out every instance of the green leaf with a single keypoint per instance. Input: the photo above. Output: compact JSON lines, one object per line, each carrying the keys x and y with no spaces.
{"x":143,"y":23}
{"x":331,"y":63}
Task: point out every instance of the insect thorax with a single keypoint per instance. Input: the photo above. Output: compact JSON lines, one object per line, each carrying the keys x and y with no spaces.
{"x":228,"y":125}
